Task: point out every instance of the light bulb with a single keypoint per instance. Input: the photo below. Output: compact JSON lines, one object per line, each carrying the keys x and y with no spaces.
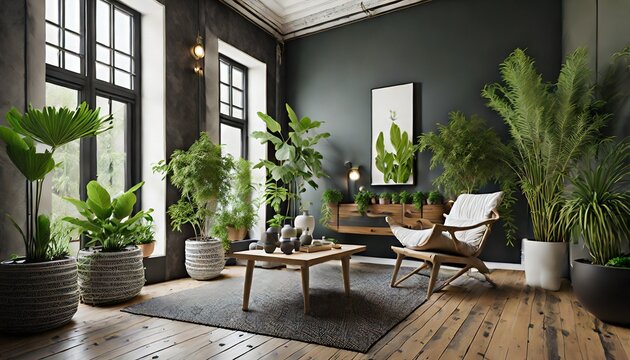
{"x":198,"y":52}
{"x":354,"y":174}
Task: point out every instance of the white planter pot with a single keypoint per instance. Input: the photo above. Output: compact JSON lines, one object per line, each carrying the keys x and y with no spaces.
{"x":110,"y":277}
{"x":37,"y":297}
{"x":546,"y":263}
{"x":205,"y":259}
{"x":305,"y":221}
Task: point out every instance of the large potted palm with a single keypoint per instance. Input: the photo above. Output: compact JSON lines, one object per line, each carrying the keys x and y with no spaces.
{"x":551,"y":127}
{"x":598,"y":211}
{"x":38,"y":291}
{"x":201,"y":174}
{"x":110,"y":267}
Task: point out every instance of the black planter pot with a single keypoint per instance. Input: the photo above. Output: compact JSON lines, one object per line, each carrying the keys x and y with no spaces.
{"x":602,"y":290}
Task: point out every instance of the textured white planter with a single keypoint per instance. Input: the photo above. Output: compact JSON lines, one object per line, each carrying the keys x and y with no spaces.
{"x":110,"y":277}
{"x":205,"y":259}
{"x":305,"y":221}
{"x":545,"y":263}
{"x":39,"y":296}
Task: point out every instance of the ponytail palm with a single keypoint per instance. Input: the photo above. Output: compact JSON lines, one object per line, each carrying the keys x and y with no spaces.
{"x":598,"y":208}
{"x":552,"y":126}
{"x":51,"y":127}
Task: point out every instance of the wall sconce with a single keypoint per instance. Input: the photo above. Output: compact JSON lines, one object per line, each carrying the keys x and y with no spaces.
{"x":198,"y":53}
{"x":353,"y":175}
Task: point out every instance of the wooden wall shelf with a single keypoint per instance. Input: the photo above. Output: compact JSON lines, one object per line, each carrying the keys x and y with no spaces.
{"x":347,"y":219}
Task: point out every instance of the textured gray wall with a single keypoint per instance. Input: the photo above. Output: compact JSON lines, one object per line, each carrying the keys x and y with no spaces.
{"x":451,"y":48}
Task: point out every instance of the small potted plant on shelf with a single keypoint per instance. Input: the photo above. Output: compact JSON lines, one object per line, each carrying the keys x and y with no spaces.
{"x":435,"y":198}
{"x":330,"y":198}
{"x":144,"y":236}
{"x":598,"y":211}
{"x":201,"y":174}
{"x":385,"y":198}
{"x":362,"y":200}
{"x":395,"y":198}
{"x":418,"y":199}
{"x":110,"y":255}
{"x":27,"y":282}
{"x":405,"y":197}
{"x":373,"y":198}
{"x":238,"y":213}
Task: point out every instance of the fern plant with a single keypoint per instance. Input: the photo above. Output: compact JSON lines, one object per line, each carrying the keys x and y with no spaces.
{"x":472,"y":155}
{"x":330,"y":196}
{"x":362,"y":199}
{"x":396,"y":166}
{"x":418,"y":198}
{"x":552,"y":126}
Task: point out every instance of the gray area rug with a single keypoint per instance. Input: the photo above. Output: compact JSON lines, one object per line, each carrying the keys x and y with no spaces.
{"x":276,"y":305}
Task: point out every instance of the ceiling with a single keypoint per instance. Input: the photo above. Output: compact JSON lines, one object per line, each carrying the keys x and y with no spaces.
{"x":288,"y":19}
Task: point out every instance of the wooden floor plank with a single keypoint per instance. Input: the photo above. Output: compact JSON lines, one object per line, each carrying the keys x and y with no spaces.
{"x":536,"y":347}
{"x":554,"y":340}
{"x":588,"y":339}
{"x":285,"y":351}
{"x":183,"y":349}
{"x":610,"y":342}
{"x":158,"y":345}
{"x":263,"y":349}
{"x":567,"y":317}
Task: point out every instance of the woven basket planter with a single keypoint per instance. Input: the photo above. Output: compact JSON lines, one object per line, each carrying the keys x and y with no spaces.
{"x":37,"y":297}
{"x":110,"y":277}
{"x":205,"y":259}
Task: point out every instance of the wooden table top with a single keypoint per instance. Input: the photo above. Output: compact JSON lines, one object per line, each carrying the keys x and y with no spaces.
{"x":300,"y":258}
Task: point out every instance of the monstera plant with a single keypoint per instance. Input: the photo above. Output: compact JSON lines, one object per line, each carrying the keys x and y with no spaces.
{"x":396,"y":166}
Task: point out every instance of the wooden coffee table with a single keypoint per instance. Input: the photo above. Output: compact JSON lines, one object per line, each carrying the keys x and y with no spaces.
{"x":303,"y":260}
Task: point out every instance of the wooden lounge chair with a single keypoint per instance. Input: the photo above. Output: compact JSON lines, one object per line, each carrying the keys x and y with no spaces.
{"x":458,"y":242}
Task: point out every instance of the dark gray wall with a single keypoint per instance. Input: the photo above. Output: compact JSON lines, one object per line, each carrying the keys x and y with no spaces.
{"x":450,"y":48}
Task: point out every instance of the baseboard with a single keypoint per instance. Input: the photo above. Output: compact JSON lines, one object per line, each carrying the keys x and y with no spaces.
{"x":415,"y":263}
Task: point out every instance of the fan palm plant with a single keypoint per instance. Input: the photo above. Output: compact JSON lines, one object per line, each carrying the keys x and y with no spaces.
{"x":598,"y":208}
{"x":52,"y":127}
{"x":552,"y":126}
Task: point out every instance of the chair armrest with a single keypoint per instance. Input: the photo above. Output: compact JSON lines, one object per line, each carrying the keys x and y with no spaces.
{"x":441,"y":227}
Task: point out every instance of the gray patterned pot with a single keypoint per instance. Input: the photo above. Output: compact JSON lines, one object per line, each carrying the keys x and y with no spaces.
{"x":38,"y":296}
{"x":110,"y":277}
{"x":205,"y":259}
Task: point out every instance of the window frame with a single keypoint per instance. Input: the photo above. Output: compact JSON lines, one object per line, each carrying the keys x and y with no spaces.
{"x":230,"y":120}
{"x":90,"y":88}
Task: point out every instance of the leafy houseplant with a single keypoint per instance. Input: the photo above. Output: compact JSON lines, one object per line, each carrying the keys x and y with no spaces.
{"x":384,"y":198}
{"x":46,"y":249}
{"x":552,"y":126}
{"x":277,"y":221}
{"x":418,"y":198}
{"x":200,"y":174}
{"x":362,"y":199}
{"x":396,"y":166}
{"x":435,"y":198}
{"x":144,"y":236}
{"x":405,"y":197}
{"x":472,"y":156}
{"x":330,"y":196}
{"x":237,"y":215}
{"x":395,"y":198}
{"x":598,"y":210}
{"x":297,"y":162}
{"x":112,"y":229}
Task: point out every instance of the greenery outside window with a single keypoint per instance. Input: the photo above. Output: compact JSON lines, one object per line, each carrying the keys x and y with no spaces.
{"x":233,"y":107}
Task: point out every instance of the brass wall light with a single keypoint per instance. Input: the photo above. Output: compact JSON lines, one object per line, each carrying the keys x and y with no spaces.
{"x":198,"y":53}
{"x":353,"y":175}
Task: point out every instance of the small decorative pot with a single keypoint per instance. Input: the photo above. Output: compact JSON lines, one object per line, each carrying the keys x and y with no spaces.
{"x":273,"y":229}
{"x":383,"y":201}
{"x":306,"y":238}
{"x":298,"y":232}
{"x":36,"y":297}
{"x":288,"y":232}
{"x":235,"y":234}
{"x":270,"y":242}
{"x":110,"y":277}
{"x":147,"y":249}
{"x":546,"y":263}
{"x":205,"y":258}
{"x":286,"y":246}
{"x":373,"y":201}
{"x":296,"y":243}
{"x":305,"y":221}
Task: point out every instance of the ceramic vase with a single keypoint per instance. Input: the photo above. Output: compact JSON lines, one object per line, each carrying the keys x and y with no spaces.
{"x":296,"y":243}
{"x":305,"y":221}
{"x":286,"y":246}
{"x":306,"y":238}
{"x":270,"y":242}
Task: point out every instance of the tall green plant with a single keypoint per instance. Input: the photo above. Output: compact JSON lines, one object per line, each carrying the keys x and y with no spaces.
{"x":472,"y":155}
{"x":201,"y":175}
{"x":238,"y":211}
{"x":552,"y":126}
{"x":396,"y":166}
{"x":52,"y":127}
{"x":598,"y":207}
{"x":297,"y":162}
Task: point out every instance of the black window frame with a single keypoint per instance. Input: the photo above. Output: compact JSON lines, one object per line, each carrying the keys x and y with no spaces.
{"x":90,"y":88}
{"x":229,"y":119}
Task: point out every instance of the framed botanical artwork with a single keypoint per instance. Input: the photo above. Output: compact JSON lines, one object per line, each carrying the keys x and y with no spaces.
{"x":393,"y":152}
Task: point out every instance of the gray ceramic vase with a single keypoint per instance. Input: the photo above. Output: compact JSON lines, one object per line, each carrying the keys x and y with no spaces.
{"x":39,"y":296}
{"x":286,"y":246}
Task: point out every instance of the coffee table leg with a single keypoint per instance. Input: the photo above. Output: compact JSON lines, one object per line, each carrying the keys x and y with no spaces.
{"x":345,"y":264}
{"x":249,"y":273}
{"x":305,"y":286}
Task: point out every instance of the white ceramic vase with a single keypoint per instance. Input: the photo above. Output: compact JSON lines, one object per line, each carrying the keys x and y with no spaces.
{"x":305,"y":221}
{"x":205,"y":259}
{"x":546,"y":263}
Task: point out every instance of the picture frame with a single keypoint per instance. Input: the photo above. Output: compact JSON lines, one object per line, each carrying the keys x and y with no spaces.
{"x":393,"y":105}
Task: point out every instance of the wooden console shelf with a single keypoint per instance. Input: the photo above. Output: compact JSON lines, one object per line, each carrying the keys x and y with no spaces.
{"x":347,"y":219}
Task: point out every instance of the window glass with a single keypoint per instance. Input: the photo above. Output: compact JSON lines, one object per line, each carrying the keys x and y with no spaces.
{"x":110,"y":147}
{"x":114,"y":57}
{"x":66,"y":178}
{"x":231,"y":139}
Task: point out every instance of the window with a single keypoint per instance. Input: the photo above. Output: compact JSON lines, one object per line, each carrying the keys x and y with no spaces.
{"x":95,"y":60}
{"x":232,"y":104}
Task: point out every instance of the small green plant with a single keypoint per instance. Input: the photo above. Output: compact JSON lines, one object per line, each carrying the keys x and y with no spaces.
{"x":105,"y":221}
{"x":277,"y":220}
{"x":201,"y":174}
{"x":385,"y":195}
{"x":418,"y":198}
{"x":330,"y":196}
{"x":362,"y":199}
{"x":143,"y":232}
{"x":619,"y":261}
{"x":435,"y":197}
{"x":395,"y":198}
{"x":405,"y":197}
{"x":396,"y":166}
{"x":60,"y":234}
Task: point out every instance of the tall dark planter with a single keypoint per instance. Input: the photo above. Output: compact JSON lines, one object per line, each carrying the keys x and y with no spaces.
{"x":603,"y":290}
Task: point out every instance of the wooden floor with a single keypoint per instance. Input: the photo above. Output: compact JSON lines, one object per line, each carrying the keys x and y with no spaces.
{"x":468,"y":320}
